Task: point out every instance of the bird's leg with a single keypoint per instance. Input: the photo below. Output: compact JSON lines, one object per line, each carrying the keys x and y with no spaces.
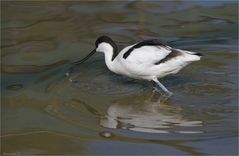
{"x":168,"y":93}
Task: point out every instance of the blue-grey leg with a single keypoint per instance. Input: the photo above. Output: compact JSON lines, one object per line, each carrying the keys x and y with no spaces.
{"x":168,"y":93}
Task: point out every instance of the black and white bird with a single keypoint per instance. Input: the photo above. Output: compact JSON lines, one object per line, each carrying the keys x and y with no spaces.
{"x":147,"y":60}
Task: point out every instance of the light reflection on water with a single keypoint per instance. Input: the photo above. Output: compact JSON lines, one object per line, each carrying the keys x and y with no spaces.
{"x":148,"y":116}
{"x":93,"y":109}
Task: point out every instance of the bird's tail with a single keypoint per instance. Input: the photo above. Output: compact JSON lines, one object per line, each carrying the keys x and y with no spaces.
{"x":191,"y":56}
{"x":194,"y":53}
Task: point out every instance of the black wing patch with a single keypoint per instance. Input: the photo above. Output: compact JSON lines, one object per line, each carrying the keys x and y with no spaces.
{"x":153,"y":42}
{"x":170,"y":56}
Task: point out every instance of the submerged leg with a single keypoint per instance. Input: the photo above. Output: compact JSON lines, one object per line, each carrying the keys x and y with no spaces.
{"x":168,"y":93}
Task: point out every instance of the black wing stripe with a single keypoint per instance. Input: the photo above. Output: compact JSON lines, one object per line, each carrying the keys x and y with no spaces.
{"x":170,"y":56}
{"x":154,"y":42}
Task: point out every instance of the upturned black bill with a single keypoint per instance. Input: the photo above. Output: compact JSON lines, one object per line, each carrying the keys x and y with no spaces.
{"x":86,"y":58}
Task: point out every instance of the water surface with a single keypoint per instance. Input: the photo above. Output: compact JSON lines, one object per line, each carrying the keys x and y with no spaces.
{"x":94,"y":111}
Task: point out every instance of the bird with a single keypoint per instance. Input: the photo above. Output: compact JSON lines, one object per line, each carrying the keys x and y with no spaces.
{"x":146,"y":60}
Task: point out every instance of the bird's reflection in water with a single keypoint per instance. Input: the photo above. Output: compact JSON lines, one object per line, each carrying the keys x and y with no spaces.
{"x":151,"y":115}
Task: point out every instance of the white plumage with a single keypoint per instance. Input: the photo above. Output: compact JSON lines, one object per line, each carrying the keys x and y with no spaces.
{"x":149,"y":59}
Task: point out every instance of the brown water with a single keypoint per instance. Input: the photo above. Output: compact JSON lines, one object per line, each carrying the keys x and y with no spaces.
{"x":93,"y":111}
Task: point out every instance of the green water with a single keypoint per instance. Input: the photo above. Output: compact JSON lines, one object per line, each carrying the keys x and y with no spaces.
{"x":94,"y":111}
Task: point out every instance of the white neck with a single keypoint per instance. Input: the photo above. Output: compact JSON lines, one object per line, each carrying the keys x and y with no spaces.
{"x":107,"y":49}
{"x":108,"y":60}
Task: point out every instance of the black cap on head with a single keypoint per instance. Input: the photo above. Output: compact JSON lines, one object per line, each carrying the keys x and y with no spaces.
{"x":105,"y":39}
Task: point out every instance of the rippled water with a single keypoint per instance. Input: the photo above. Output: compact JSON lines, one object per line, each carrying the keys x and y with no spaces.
{"x":94,"y":111}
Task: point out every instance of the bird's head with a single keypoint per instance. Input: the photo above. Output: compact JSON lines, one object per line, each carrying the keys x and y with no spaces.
{"x":103,"y":44}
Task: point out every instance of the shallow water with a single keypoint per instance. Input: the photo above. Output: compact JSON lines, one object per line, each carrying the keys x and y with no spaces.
{"x":93,"y":111}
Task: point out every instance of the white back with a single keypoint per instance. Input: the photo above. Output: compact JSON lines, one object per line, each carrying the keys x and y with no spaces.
{"x":148,"y":54}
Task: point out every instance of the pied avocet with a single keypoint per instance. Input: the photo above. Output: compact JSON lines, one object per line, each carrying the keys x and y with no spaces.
{"x":148,"y":60}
